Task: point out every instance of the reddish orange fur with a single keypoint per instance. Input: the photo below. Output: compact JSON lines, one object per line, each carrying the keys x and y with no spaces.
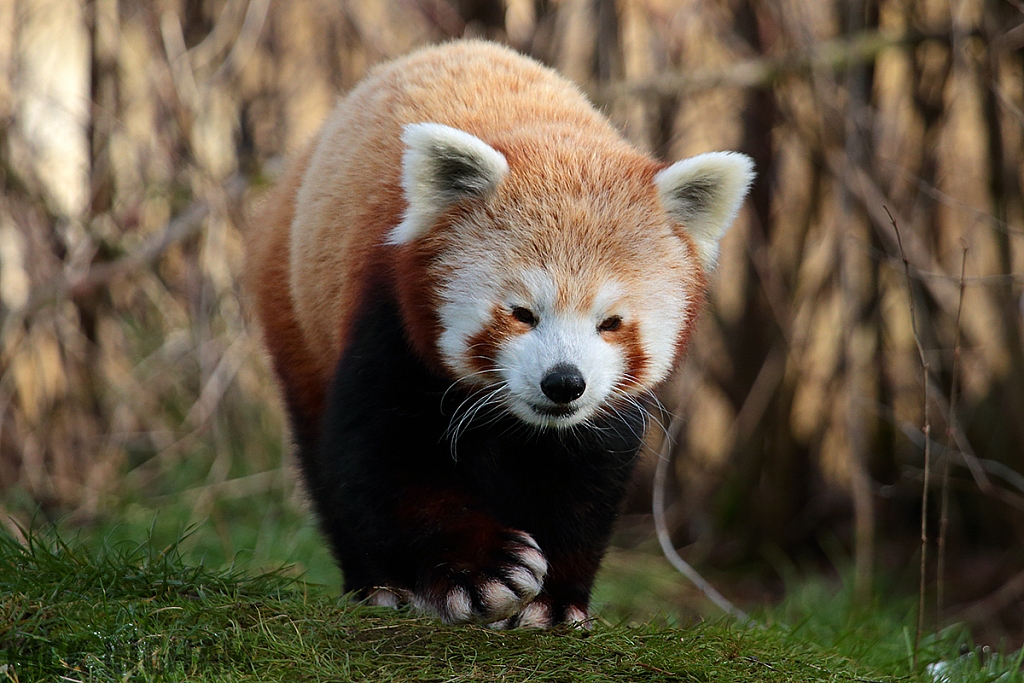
{"x":351,"y":176}
{"x":267,"y":280}
{"x":467,"y":227}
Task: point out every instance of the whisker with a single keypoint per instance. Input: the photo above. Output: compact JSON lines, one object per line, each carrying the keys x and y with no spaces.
{"x":466,"y":379}
{"x":481,"y":400}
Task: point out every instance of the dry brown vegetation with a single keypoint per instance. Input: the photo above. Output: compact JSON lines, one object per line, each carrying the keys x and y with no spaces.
{"x":135,"y":136}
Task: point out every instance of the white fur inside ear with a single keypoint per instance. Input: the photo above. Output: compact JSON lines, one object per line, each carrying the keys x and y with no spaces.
{"x":704,"y":193}
{"x":442,"y":165}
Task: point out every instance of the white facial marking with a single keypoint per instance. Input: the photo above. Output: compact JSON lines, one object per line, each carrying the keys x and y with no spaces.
{"x":467,"y":302}
{"x":660,"y":325}
{"x":560,"y":337}
{"x":608,"y":295}
{"x":477,"y":288}
{"x":541,"y":289}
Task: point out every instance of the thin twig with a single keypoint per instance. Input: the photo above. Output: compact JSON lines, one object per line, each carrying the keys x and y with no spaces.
{"x":862,"y":185}
{"x":220,"y":38}
{"x":185,"y":225}
{"x":181,"y":227}
{"x":218,"y":382}
{"x":233,"y":489}
{"x":247,"y":40}
{"x":973,"y":463}
{"x":927,"y":439}
{"x":940,"y":580}
{"x":665,"y":540}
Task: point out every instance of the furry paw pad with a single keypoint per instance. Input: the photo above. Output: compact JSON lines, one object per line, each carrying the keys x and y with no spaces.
{"x":388,"y":596}
{"x":539,"y":614}
{"x":508,"y":579}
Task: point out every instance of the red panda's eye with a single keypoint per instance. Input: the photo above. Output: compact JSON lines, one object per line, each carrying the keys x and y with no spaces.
{"x":525,"y":316}
{"x":610,"y":324}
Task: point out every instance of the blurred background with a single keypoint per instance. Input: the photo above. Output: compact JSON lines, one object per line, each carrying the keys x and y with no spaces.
{"x":137,"y":136}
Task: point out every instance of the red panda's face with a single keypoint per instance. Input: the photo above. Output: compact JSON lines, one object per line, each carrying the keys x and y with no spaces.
{"x":561,"y":360}
{"x":556,"y":342}
{"x":560,"y":294}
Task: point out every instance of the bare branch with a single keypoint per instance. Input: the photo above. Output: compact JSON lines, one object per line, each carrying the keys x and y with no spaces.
{"x":182,"y":227}
{"x":927,"y":440}
{"x":658,"y":508}
{"x":833,"y":55}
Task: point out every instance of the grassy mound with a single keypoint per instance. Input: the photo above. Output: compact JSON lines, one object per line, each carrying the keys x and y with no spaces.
{"x":141,"y":614}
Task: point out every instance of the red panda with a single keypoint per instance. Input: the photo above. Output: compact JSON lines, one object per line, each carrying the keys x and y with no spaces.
{"x":469,"y":285}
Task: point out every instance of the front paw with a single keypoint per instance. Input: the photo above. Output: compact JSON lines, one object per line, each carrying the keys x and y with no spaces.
{"x":542,"y":614}
{"x":494,"y":585}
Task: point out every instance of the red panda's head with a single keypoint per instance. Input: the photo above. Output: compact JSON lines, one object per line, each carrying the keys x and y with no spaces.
{"x":553,"y":278}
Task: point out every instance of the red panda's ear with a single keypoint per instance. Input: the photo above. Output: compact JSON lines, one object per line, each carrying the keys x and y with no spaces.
{"x":442,"y":165}
{"x":704,"y":193}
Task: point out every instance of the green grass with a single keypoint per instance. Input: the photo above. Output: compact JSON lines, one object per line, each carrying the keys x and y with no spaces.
{"x":881,"y":635}
{"x":234,"y":582}
{"x":139,"y":613}
{"x":264,"y":531}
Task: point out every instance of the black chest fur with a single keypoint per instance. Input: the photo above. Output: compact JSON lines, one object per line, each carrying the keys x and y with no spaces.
{"x":401,"y":487}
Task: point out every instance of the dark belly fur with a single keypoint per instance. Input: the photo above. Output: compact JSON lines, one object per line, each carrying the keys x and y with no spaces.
{"x":403,"y":508}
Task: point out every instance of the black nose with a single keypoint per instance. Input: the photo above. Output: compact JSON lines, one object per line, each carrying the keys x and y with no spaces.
{"x":563,"y":383}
